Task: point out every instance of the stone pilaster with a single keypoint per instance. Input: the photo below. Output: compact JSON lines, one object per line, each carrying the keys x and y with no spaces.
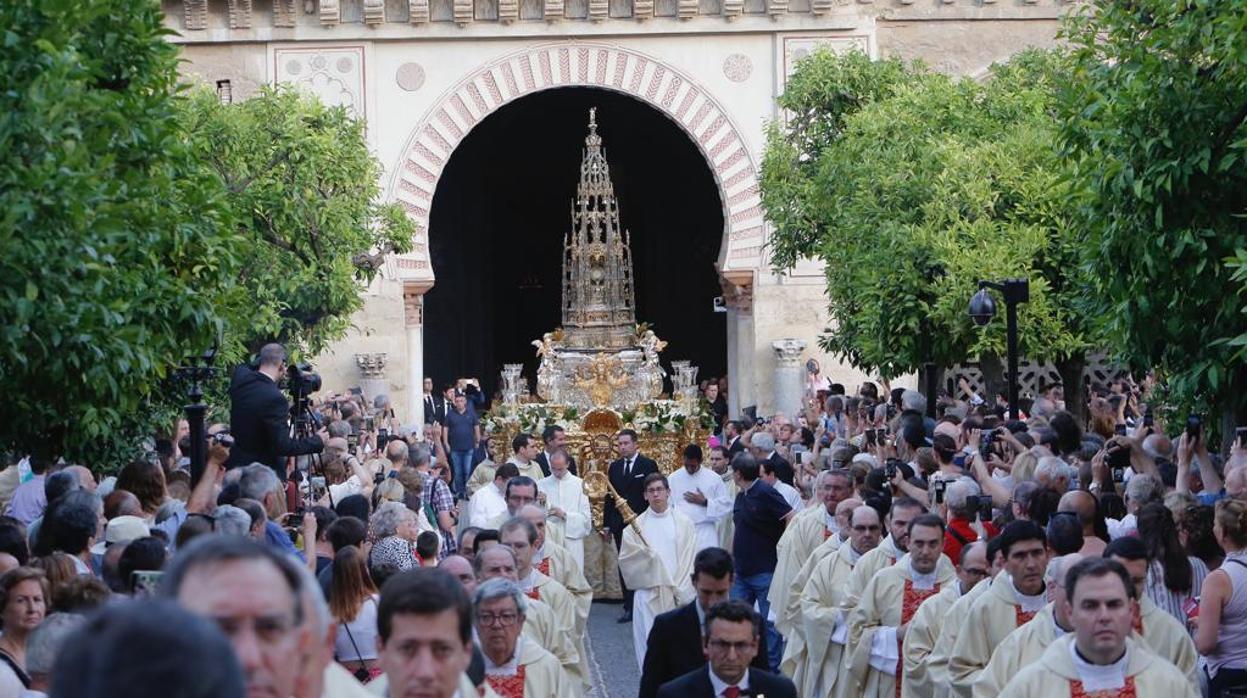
{"x":413,"y":318}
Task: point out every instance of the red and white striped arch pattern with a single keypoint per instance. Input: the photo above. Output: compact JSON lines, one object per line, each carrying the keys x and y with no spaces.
{"x":589,"y":65}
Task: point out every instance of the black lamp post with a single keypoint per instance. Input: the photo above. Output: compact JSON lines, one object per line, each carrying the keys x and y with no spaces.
{"x":200,"y":370}
{"x":983,"y":309}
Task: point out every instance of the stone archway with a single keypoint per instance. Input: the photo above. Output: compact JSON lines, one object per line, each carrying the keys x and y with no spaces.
{"x":547,"y":66}
{"x":581,"y":64}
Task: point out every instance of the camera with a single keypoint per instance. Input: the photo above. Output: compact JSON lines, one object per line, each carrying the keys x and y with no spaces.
{"x":938,"y":487}
{"x":369,"y":423}
{"x":1118,"y":458}
{"x":1147,"y":419}
{"x":1119,"y":475}
{"x":718,"y":305}
{"x":1120,"y":429}
{"x":302,"y":379}
{"x":352,"y":442}
{"x":223,"y":438}
{"x":891,"y":467}
{"x":985,"y":508}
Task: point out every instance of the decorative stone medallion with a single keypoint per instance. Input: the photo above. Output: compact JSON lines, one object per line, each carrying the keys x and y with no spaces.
{"x":410,"y":76}
{"x":737,"y":67}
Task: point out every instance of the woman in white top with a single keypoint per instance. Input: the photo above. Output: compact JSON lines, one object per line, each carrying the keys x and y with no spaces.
{"x":353,"y":602}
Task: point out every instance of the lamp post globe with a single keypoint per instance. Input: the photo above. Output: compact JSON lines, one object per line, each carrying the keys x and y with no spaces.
{"x":982,"y":308}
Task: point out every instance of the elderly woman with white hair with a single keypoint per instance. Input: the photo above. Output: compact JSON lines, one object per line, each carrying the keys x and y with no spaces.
{"x":393,"y":529}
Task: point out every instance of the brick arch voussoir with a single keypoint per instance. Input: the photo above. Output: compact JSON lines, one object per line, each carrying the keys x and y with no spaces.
{"x":663,"y":86}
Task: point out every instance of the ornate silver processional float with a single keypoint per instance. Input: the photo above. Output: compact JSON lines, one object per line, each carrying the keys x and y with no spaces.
{"x":600,"y":371}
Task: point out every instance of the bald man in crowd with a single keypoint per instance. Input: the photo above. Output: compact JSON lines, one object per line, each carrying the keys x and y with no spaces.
{"x":1083,"y":504}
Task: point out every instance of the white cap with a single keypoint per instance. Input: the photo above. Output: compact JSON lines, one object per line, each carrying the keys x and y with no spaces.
{"x":122,"y":529}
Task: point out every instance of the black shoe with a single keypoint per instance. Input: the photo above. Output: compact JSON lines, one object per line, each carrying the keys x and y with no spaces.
{"x":625,"y":618}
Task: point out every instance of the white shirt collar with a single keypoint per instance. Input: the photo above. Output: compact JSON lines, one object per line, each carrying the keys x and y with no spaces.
{"x":1097,"y":677}
{"x":854,"y":556}
{"x":720,"y":685}
{"x":829,"y":520}
{"x":1030,"y":604}
{"x":922,"y":581}
{"x":528,"y":582}
{"x":539,"y":554}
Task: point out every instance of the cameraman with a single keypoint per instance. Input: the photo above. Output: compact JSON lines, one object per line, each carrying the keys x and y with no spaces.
{"x":260,"y":416}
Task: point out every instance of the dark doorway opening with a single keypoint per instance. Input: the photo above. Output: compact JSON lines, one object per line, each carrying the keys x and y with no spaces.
{"x":503,"y":205}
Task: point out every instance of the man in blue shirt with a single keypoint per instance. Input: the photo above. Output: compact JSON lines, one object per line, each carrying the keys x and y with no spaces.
{"x":760,"y":515}
{"x":463,"y":433}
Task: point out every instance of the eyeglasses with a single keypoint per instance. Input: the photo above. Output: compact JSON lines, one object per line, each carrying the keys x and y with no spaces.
{"x":863,"y":529}
{"x":725,"y":647}
{"x":975,"y":572}
{"x":506,"y":619}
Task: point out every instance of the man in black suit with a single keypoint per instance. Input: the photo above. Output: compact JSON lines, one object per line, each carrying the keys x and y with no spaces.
{"x":730,"y":642}
{"x":732,"y":438}
{"x":555,"y":439}
{"x":762,"y":444}
{"x":627,"y":476}
{"x":434,"y":405}
{"x":674,"y":647}
{"x":259,"y":416}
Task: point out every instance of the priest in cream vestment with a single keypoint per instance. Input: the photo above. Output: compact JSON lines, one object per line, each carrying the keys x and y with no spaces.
{"x":954,"y":623}
{"x":521,"y":536}
{"x":814,"y":654}
{"x":540,"y":625}
{"x":894,"y":546}
{"x":924,"y":630}
{"x":810,"y":528}
{"x":788,"y":620}
{"x":1006,"y":606}
{"x":553,"y":561}
{"x":657,"y":561}
{"x":1099,"y":658}
{"x":570,"y":518}
{"x":515,"y":667}
{"x":879,"y":622}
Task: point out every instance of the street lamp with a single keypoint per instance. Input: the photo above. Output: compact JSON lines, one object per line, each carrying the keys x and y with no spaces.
{"x":983,"y":309}
{"x":200,"y":370}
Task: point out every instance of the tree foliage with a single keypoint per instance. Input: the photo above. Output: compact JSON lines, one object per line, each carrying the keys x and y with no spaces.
{"x":111,"y":242}
{"x":1155,"y":131}
{"x":302,"y":191}
{"x":915,"y":187}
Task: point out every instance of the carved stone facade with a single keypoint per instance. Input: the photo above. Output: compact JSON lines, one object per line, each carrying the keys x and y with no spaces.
{"x":424,"y":73}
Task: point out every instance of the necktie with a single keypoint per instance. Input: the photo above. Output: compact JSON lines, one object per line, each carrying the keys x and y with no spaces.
{"x":627,"y":467}
{"x":731,"y":692}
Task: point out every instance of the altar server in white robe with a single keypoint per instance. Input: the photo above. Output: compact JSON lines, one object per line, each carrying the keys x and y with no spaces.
{"x":1100,"y":658}
{"x":815,"y":650}
{"x":489,"y":502}
{"x":700,"y":494}
{"x":657,"y":562}
{"x":570,"y":518}
{"x":879,"y":622}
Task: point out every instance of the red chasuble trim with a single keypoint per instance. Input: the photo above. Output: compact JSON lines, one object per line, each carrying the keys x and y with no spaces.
{"x":1127,"y":691}
{"x":1021,"y":617}
{"x":544,"y":566}
{"x":910,"y":602}
{"x":508,"y":686}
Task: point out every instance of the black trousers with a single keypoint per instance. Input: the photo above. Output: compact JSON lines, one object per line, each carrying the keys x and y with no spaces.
{"x":1228,"y":683}
{"x":627,"y":593}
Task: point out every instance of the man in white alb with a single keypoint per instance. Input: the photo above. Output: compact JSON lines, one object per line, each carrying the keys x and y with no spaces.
{"x":570,"y":518}
{"x":656,"y":561}
{"x":700,"y":495}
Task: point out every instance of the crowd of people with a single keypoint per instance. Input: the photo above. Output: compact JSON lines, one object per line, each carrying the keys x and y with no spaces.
{"x":860,"y":548}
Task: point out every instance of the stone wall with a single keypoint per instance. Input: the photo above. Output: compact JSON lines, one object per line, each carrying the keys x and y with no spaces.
{"x":421,"y":84}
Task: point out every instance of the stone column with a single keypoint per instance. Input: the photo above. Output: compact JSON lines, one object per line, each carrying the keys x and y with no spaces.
{"x":372,"y":370}
{"x":738,"y":299}
{"x":413,"y":312}
{"x":789,"y":387}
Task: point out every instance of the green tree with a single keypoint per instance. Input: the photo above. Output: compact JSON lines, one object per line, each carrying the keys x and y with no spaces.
{"x":302,"y":191}
{"x":1155,"y":131}
{"x":113,"y":254}
{"x":926,"y":184}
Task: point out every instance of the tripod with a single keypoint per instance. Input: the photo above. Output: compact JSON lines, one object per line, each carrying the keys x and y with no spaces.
{"x":304,"y":423}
